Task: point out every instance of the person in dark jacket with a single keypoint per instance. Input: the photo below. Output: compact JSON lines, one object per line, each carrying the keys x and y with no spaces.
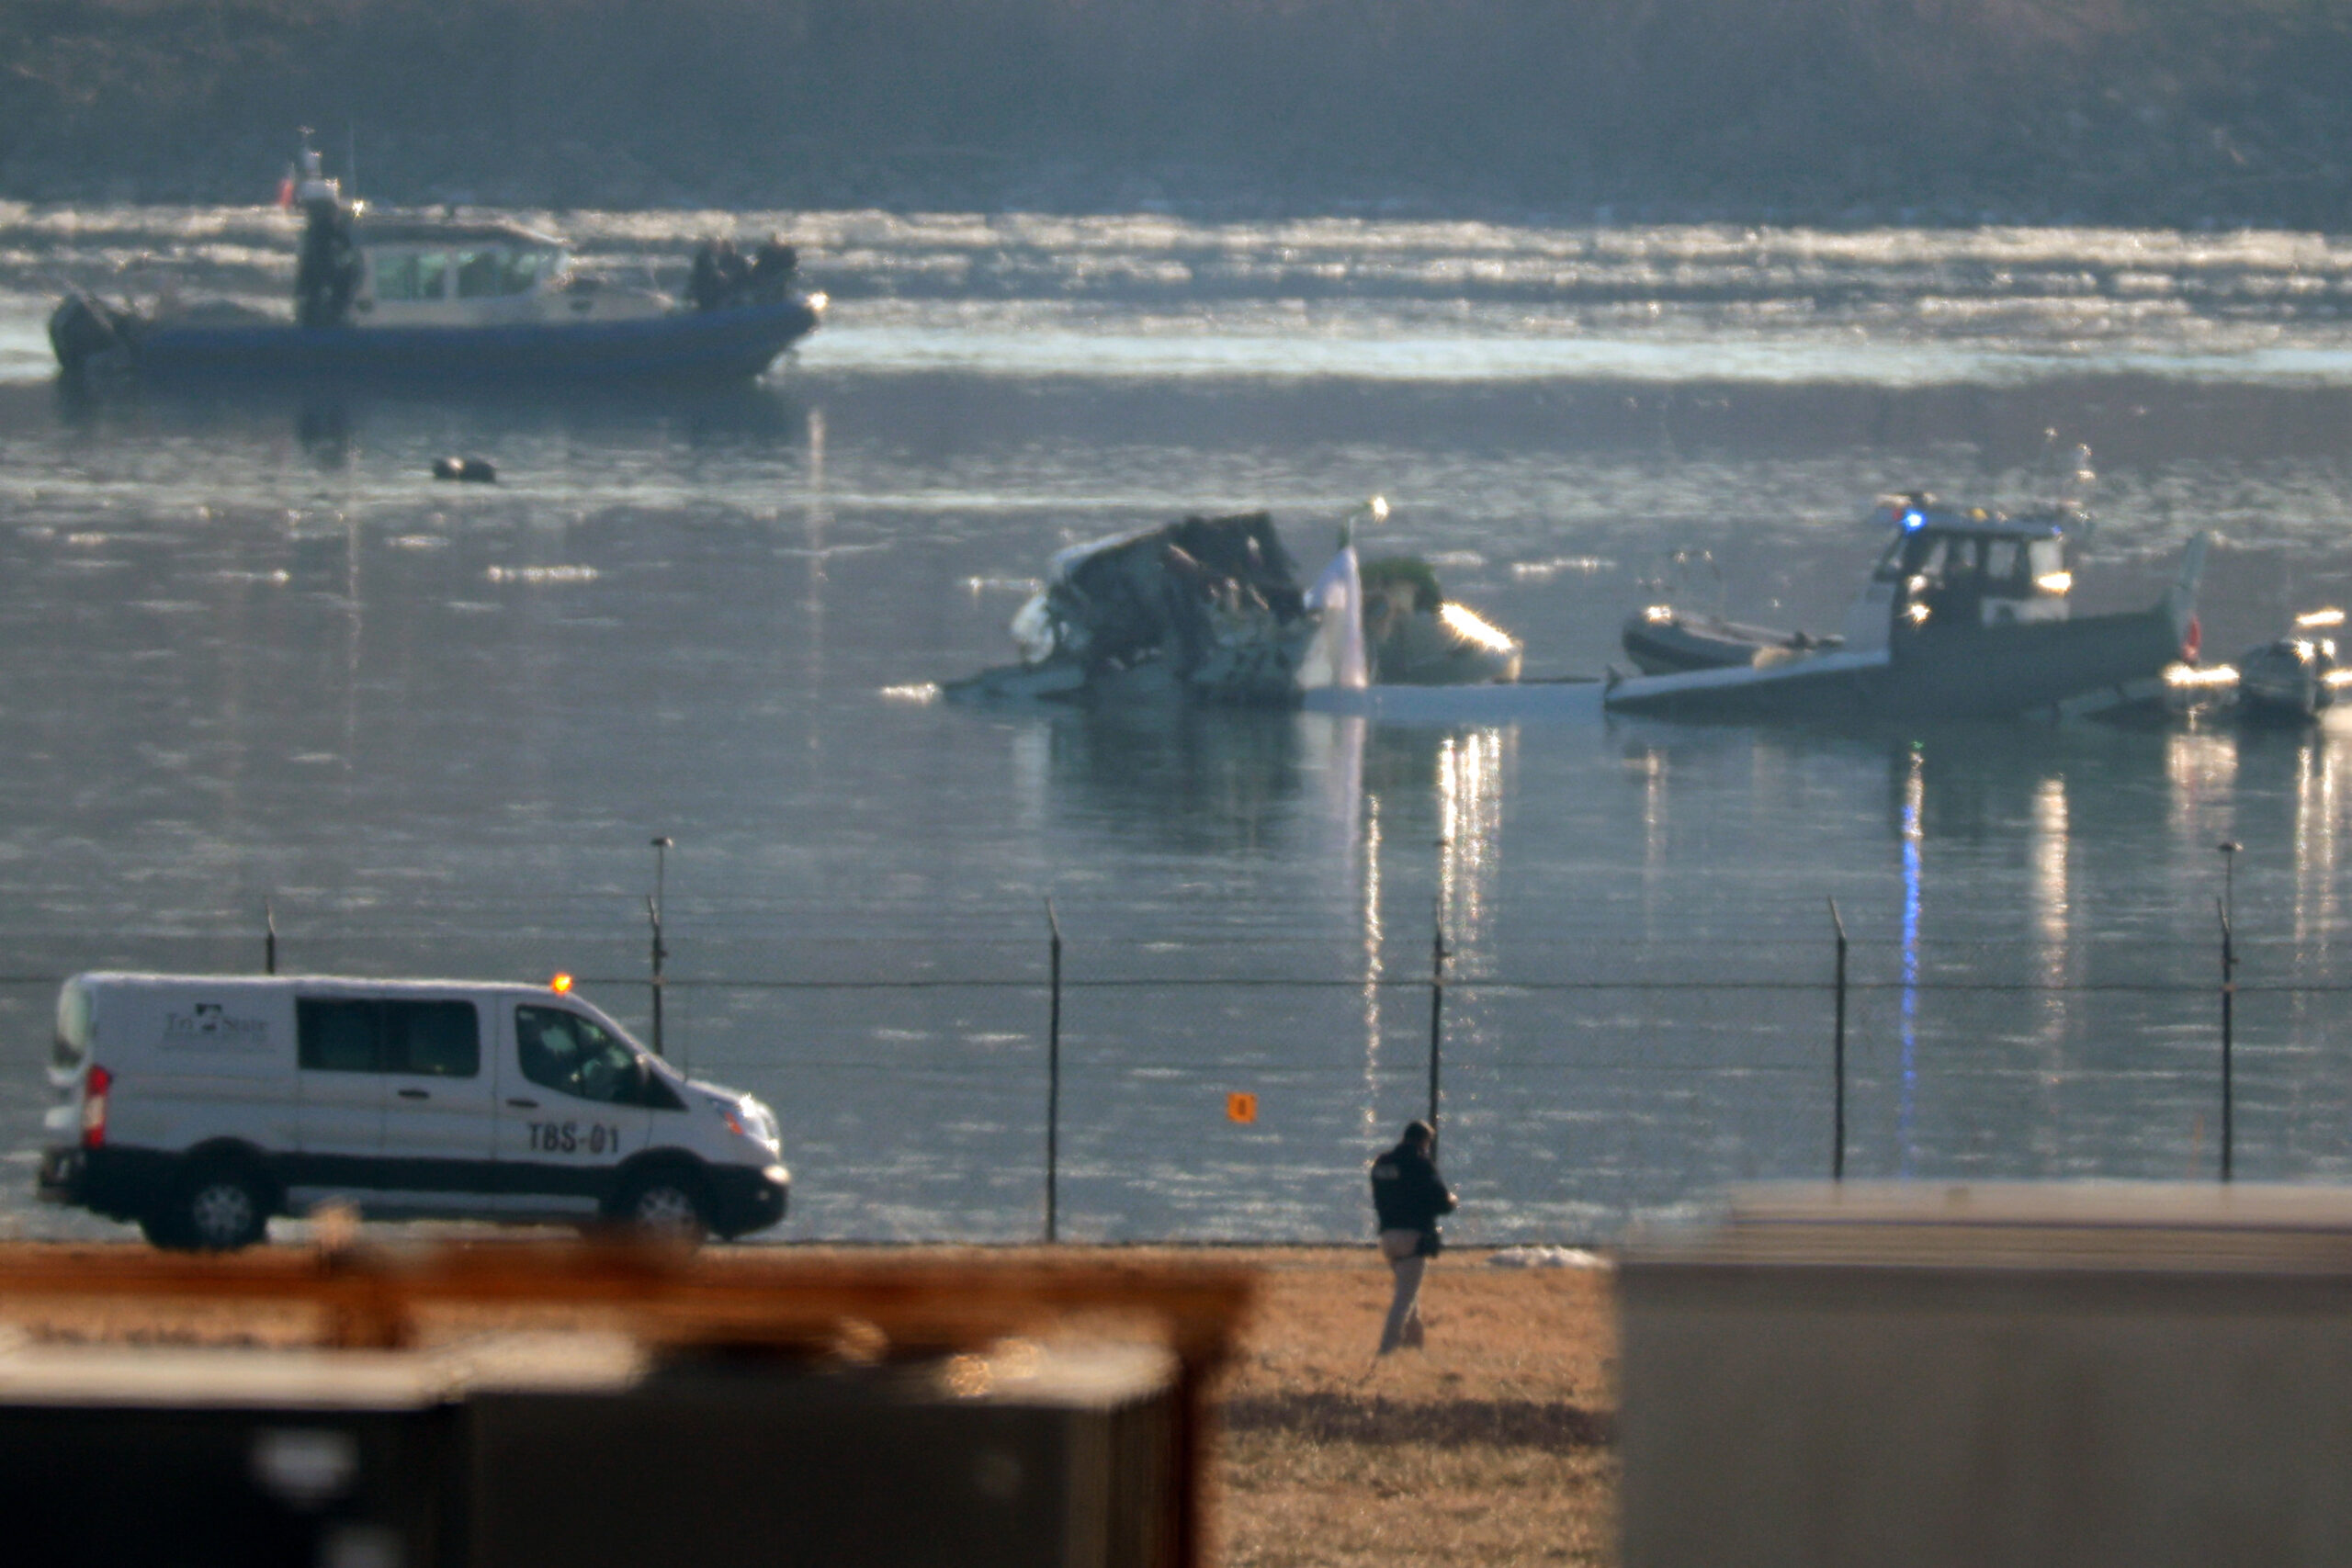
{"x":1408,"y":1195}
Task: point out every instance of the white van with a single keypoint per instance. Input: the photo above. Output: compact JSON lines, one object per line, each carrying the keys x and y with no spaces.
{"x":200,"y":1106}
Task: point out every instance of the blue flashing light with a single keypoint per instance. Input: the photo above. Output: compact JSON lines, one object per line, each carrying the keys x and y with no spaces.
{"x":1914,"y":519}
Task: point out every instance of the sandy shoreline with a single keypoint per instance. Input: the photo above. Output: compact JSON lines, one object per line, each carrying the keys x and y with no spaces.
{"x":1491,"y":1445}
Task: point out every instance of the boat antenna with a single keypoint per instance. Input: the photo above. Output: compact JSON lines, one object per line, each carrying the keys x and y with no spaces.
{"x":2077,"y":479}
{"x":1374,"y":509}
{"x":351,"y":158}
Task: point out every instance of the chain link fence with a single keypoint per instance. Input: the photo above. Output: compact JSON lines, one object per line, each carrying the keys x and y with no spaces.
{"x":1587,"y":1084}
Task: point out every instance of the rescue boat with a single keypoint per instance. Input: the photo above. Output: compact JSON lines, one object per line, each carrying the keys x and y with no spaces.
{"x":424,"y":298}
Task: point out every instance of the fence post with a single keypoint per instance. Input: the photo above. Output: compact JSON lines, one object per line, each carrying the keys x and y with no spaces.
{"x":654,"y":920}
{"x":2226,"y":907}
{"x":1837,"y":1058}
{"x":1052,"y":1073}
{"x":1437,"y":1010}
{"x":2229,"y":1052}
{"x":269,"y":938}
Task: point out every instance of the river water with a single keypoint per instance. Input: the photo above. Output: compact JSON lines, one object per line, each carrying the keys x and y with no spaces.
{"x":257,"y":659}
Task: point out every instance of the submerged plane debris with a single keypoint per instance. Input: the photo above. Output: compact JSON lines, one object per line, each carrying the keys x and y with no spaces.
{"x":1210,"y":609}
{"x":1414,"y":636}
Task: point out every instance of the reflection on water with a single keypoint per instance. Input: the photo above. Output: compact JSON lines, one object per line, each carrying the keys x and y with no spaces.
{"x":2053,"y":934}
{"x":2315,"y":832}
{"x":1178,"y":776}
{"x":1470,"y":784}
{"x":1912,"y":838}
{"x":2201,"y":767}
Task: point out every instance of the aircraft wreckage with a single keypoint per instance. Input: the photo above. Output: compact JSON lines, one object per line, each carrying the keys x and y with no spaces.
{"x":1211,"y":609}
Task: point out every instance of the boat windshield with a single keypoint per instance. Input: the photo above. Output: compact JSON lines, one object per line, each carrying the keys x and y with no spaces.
{"x":491,"y":272}
{"x":1890,"y":560}
{"x":2002,"y":564}
{"x":478,"y":272}
{"x":415,"y":274}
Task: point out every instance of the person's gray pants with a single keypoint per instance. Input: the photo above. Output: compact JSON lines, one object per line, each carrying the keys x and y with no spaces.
{"x":1402,"y":1248}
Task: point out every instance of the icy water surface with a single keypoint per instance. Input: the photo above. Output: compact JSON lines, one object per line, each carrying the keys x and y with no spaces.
{"x":255,"y":656}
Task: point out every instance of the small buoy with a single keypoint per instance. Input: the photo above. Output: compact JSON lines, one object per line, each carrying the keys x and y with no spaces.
{"x":471,"y":470}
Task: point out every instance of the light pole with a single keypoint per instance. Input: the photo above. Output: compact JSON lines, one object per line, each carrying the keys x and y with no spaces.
{"x":662,"y":846}
{"x":2229,"y":848}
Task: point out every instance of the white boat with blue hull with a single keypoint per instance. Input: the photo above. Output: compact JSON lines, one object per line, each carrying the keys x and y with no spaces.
{"x":1965,"y":616}
{"x":420,"y":299}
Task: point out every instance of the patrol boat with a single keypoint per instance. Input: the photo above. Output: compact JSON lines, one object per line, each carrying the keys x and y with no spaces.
{"x":432,"y":299}
{"x":1966,"y":615}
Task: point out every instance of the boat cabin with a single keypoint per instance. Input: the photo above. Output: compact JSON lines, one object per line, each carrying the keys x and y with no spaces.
{"x":437,"y":273}
{"x":1945,"y":566}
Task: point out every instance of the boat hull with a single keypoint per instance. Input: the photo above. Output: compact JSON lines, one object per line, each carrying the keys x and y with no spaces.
{"x":1664,"y":644}
{"x":1966,"y":673}
{"x":735,"y":344}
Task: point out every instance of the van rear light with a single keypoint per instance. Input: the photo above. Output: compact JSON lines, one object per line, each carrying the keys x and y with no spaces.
{"x":93,"y":1107}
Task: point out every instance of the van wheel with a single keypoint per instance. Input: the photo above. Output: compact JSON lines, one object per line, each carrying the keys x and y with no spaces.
{"x":221,"y":1209}
{"x":667,"y":1205}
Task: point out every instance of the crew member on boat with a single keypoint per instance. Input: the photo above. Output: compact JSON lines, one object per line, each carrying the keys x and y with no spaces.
{"x":327,"y":269}
{"x":723,"y":276}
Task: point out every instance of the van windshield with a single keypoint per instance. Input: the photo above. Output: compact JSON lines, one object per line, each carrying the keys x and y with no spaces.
{"x":72,"y":1040}
{"x":574,"y":1055}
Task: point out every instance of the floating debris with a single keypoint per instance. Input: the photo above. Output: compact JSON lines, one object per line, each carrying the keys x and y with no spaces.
{"x":542,"y":574}
{"x":1545,"y":570}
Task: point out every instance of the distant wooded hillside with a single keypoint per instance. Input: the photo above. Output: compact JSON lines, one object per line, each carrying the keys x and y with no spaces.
{"x":1866,"y":110}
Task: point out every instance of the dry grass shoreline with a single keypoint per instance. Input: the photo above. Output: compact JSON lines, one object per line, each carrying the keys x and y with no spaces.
{"x":1492,"y":1446}
{"x":1489,"y":1447}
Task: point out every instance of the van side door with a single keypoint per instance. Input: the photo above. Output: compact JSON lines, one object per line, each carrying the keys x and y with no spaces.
{"x":397,"y":1102}
{"x":343,"y":1089}
{"x":573,"y":1103}
{"x":440,"y":1111}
